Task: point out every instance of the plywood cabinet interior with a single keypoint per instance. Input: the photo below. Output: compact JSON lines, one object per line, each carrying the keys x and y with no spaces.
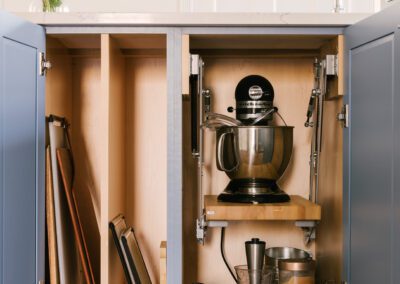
{"x":137,"y":142}
{"x":287,"y":62}
{"x":73,"y":91}
{"x":112,"y":89}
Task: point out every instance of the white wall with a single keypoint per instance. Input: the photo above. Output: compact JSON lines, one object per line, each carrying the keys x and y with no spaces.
{"x":297,"y":6}
{"x":387,"y":3}
{"x":97,"y":5}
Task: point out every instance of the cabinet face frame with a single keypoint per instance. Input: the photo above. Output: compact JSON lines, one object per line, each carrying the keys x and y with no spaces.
{"x":174,"y":112}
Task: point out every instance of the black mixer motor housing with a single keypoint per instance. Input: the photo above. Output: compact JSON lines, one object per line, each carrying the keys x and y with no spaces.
{"x":254,"y":96}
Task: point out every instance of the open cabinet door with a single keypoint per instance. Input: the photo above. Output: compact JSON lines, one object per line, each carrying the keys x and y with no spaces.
{"x":22,"y":121}
{"x":372,"y":150}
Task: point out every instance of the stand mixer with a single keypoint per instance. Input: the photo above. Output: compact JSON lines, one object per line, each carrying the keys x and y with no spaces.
{"x":254,"y":154}
{"x":250,"y":149}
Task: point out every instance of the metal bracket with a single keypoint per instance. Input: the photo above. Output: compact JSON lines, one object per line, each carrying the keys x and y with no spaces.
{"x":331,"y":65}
{"x":44,"y":65}
{"x":309,"y":230}
{"x":201,"y":229}
{"x":195,"y":64}
{"x":343,"y":116}
{"x":202,"y":225}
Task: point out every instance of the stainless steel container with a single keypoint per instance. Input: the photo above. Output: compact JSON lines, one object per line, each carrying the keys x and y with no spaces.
{"x":274,"y":256}
{"x":255,"y":250}
{"x":297,"y":271}
{"x":254,"y":158}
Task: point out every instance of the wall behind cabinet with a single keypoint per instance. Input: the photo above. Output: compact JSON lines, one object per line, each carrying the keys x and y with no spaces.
{"x":153,"y":6}
{"x":281,"y":6}
{"x":96,"y":6}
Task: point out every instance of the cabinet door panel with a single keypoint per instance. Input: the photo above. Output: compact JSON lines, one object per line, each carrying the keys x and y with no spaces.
{"x":371,"y":181}
{"x":371,"y":151}
{"x":22,"y":146}
{"x":19,"y":162}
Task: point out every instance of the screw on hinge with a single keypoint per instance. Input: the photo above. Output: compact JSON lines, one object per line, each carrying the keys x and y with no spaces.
{"x":343,"y":116}
{"x":44,"y":64}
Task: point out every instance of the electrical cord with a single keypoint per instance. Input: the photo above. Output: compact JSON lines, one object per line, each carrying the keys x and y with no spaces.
{"x":223,"y":254}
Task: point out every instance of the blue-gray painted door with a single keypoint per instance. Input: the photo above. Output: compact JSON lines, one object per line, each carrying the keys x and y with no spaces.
{"x":372,"y":148}
{"x":22,"y":136}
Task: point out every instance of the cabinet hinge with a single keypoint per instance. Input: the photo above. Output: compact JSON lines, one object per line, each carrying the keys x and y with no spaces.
{"x":44,"y":64}
{"x":343,"y":116}
{"x":41,"y":282}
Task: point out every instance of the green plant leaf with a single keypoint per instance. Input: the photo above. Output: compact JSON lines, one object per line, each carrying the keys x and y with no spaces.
{"x":51,"y":5}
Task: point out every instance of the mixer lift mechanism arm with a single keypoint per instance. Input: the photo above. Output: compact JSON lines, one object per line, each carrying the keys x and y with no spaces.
{"x":200,"y":108}
{"x":315,"y":113}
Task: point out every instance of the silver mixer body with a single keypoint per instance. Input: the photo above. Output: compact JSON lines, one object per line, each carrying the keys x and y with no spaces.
{"x":254,"y":158}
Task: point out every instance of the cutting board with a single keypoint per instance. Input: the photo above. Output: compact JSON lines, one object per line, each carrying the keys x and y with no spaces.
{"x":64,"y":159}
{"x":68,"y":259}
{"x":51,"y":223}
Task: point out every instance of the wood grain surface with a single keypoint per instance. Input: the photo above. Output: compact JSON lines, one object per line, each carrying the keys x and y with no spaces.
{"x":329,"y":243}
{"x":163,"y":262}
{"x":50,"y":222}
{"x":113,"y":200}
{"x":66,"y":168}
{"x":72,"y":91}
{"x":298,"y":208}
{"x":335,"y":84}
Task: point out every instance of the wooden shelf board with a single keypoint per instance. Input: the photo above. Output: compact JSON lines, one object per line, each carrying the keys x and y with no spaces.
{"x":298,"y":208}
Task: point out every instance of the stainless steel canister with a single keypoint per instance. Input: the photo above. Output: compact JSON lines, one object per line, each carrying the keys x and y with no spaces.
{"x":300,"y":271}
{"x":274,"y":255}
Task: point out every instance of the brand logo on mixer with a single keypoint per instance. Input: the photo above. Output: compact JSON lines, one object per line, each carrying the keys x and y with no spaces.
{"x":255,"y":92}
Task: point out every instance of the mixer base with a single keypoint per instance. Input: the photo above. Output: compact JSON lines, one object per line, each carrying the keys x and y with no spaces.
{"x":253,"y":191}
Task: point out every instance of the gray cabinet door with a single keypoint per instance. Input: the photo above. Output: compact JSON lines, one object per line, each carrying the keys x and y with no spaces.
{"x":22,"y":136}
{"x":372,"y":151}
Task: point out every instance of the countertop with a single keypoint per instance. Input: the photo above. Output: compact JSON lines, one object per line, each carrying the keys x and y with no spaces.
{"x":193,"y":19}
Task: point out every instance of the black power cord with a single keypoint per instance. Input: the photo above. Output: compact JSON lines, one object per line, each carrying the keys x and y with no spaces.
{"x":223,"y":254}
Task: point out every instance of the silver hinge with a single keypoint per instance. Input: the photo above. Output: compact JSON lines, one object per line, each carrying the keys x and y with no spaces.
{"x":343,"y":116}
{"x":331,"y":65}
{"x":41,"y":282}
{"x":44,"y":65}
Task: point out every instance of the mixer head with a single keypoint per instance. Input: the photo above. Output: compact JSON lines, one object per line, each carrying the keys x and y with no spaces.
{"x":254,"y":97}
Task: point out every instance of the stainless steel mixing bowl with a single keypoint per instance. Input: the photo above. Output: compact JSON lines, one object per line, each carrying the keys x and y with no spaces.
{"x":254,"y":152}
